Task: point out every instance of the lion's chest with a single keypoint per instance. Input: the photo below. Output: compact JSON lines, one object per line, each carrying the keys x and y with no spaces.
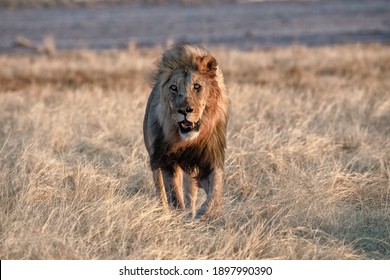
{"x":192,"y":159}
{"x":198,"y":159}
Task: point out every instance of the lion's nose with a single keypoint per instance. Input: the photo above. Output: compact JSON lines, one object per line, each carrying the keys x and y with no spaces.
{"x":185,"y":111}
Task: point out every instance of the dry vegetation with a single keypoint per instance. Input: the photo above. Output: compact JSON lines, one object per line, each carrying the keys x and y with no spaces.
{"x":307,"y":168}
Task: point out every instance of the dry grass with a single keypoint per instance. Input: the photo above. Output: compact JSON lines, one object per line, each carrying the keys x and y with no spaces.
{"x":307,"y":168}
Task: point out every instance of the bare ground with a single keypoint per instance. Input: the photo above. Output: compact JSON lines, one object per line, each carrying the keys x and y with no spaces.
{"x":307,"y":168}
{"x":243,"y":24}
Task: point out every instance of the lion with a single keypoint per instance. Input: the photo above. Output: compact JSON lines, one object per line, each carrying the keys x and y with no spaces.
{"x":185,"y":129}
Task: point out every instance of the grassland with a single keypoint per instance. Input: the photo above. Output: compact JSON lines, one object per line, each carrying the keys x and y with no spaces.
{"x":307,"y":167}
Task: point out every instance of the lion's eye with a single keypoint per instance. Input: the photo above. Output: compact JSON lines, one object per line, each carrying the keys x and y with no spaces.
{"x":197,"y":86}
{"x":173,"y":88}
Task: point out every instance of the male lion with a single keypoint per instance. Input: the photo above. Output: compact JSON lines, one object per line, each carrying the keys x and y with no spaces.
{"x":185,"y":128}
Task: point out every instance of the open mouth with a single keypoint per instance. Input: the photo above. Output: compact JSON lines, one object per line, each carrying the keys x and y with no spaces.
{"x":186,"y":126}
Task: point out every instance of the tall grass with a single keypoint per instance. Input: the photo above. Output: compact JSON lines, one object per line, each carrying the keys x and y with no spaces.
{"x":307,"y":167}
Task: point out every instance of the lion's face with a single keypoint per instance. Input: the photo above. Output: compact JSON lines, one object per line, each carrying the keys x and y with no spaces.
{"x":186,"y":93}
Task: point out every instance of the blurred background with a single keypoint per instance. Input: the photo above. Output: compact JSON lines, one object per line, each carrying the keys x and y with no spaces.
{"x":245,"y":24}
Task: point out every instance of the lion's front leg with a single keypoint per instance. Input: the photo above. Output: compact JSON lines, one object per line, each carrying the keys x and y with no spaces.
{"x":191,"y":193}
{"x":212,"y":185}
{"x":160,"y":189}
{"x":173,"y":181}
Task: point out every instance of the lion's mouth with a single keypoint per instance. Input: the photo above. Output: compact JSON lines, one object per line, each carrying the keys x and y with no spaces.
{"x":186,"y":126}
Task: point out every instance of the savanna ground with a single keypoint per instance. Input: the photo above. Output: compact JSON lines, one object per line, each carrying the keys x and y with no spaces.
{"x":307,"y":165}
{"x":69,"y":3}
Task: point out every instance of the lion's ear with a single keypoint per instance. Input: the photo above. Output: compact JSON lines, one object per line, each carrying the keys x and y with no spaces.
{"x":208,"y":64}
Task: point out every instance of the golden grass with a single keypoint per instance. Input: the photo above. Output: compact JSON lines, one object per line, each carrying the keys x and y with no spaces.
{"x":307,"y":167}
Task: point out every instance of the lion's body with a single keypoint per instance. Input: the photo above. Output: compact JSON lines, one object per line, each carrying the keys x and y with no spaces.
{"x":185,"y":128}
